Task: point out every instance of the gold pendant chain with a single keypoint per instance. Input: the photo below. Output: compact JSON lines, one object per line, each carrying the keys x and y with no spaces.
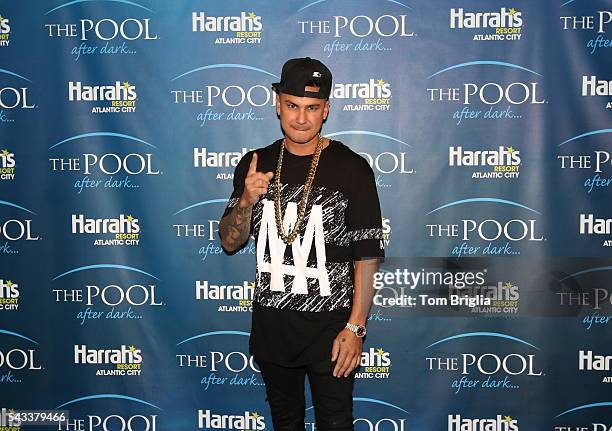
{"x":289,"y":238}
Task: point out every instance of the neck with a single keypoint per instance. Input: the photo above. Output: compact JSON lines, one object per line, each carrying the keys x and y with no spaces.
{"x":302,"y":149}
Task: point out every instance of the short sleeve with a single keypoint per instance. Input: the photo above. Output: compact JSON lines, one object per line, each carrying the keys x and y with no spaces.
{"x":239,"y":175}
{"x":364,"y":220}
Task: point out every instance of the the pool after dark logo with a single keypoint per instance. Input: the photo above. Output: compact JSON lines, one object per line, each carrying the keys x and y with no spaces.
{"x":15,"y":230}
{"x":585,"y":156}
{"x":100,"y":414}
{"x":204,"y":229}
{"x":352,"y":33}
{"x":103,"y":35}
{"x":225,"y":93}
{"x":472,"y":98}
{"x":218,"y":360}
{"x":486,"y":233}
{"x":19,"y":358}
{"x":101,"y":165}
{"x":595,"y":25}
{"x":107,"y":296}
{"x":501,"y":365}
{"x":15,"y":96}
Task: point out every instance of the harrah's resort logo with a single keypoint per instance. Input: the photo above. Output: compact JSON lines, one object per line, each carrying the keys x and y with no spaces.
{"x":239,"y":296}
{"x":374,"y":364}
{"x":252,"y":421}
{"x":5,"y":31}
{"x":7,"y":165}
{"x":98,"y":167}
{"x":477,"y":235}
{"x":123,"y":361}
{"x":501,"y":164}
{"x":487,"y":370}
{"x":123,"y":230}
{"x":374,"y":95}
{"x":220,"y":101}
{"x":117,"y":98}
{"x":503,"y":297}
{"x":590,"y":361}
{"x":591,"y":225}
{"x":595,"y":24}
{"x":485,"y":99}
{"x":505,"y":24}
{"x":354,"y":34}
{"x":223,"y":162}
{"x":499,"y":423}
{"x":102,"y":35}
{"x":593,"y":86}
{"x":245,"y":28}
{"x":9,"y":295}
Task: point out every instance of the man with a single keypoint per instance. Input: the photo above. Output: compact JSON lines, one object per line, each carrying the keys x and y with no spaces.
{"x":312,"y":206}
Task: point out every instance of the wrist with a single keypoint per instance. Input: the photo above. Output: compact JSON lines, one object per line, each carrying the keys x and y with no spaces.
{"x":357,"y":329}
{"x":243,"y":203}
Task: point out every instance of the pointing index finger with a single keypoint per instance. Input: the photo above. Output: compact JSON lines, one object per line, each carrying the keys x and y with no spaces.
{"x":253,"y":165}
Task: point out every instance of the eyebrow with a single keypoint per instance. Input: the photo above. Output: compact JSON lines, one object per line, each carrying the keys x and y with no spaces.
{"x":307,"y":106}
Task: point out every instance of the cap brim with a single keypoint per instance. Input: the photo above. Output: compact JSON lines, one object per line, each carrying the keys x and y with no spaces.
{"x":281,"y":89}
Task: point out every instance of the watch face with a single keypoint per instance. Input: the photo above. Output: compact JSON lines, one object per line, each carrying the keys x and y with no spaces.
{"x":361,"y":331}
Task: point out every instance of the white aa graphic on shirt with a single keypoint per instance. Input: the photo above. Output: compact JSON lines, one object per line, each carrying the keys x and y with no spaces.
{"x":300,"y":248}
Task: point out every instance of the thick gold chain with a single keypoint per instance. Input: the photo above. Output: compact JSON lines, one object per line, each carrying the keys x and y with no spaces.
{"x":289,"y":238}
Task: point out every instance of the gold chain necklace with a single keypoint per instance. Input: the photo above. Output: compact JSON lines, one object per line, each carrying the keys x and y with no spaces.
{"x":288,"y":239}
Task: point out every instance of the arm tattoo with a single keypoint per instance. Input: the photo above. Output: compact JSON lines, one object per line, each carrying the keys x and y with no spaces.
{"x":234,"y":228}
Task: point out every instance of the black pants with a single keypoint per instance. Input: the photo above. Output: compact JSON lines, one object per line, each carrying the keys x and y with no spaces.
{"x":332,"y":397}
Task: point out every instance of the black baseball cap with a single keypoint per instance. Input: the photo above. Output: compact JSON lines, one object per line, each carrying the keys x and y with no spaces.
{"x":299,"y":73}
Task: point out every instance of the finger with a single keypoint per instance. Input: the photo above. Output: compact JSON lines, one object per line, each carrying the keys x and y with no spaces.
{"x":340,"y":364}
{"x":269,"y":175}
{"x":253,"y":164}
{"x":335,"y":350}
{"x":354,"y":364}
{"x":259,"y":191}
{"x":348,"y":359}
{"x":258,"y":176}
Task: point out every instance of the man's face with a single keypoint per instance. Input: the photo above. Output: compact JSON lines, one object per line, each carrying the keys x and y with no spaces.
{"x":301,"y":117}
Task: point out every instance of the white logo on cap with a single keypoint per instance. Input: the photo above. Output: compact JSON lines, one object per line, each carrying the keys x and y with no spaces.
{"x":316,"y":74}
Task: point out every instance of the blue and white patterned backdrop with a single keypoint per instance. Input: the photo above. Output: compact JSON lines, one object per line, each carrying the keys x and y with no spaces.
{"x":487,"y":125}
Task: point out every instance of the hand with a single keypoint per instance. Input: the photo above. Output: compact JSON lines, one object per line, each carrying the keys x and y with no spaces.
{"x":346,"y":351}
{"x":255,"y":184}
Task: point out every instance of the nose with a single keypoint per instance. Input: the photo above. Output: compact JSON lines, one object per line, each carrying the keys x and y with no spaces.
{"x":301,"y":117}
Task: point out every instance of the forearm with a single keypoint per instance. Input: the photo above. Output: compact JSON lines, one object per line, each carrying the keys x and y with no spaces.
{"x":363,"y":290}
{"x":234,"y":228}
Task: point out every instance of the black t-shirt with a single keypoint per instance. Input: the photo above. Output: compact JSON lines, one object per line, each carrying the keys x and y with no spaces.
{"x":304,"y":291}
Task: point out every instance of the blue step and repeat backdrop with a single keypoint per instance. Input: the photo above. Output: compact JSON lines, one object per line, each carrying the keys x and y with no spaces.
{"x":486,"y":124}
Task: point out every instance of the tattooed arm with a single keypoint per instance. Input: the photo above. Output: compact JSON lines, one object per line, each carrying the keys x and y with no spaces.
{"x":234,"y":228}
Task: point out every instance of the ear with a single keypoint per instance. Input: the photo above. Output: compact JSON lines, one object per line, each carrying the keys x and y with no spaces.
{"x":326,"y":109}
{"x":278,"y":104}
